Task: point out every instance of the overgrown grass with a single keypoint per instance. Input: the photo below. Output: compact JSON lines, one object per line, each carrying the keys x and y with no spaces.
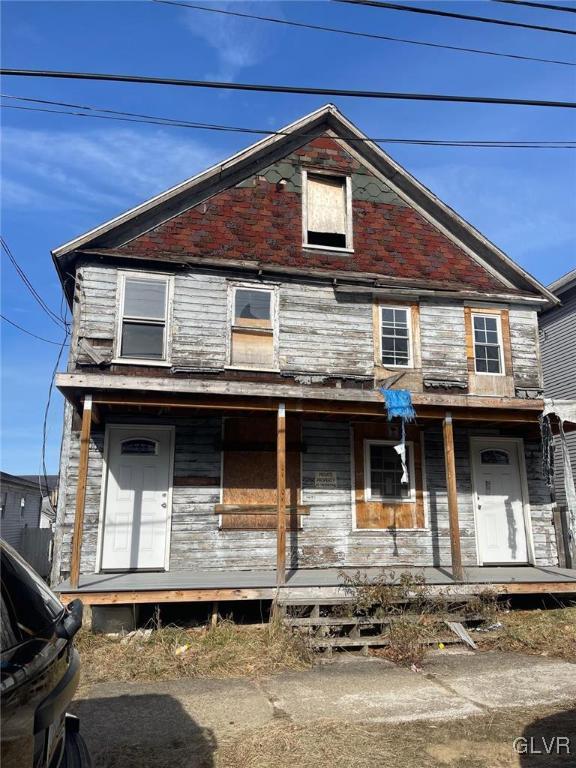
{"x":226,"y":650}
{"x":549,"y":632}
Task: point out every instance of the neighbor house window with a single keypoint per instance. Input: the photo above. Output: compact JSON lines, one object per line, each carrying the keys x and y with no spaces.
{"x":327,"y":211}
{"x":386,"y":478}
{"x":396,"y":336}
{"x":252,"y":331}
{"x":144,"y":317}
{"x":487,"y":343}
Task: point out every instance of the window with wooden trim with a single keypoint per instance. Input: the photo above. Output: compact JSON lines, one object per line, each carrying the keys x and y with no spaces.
{"x":396,"y":337}
{"x":487,"y":332}
{"x":327,"y":210}
{"x":382,"y":500}
{"x":143,"y":317}
{"x":386,"y":479}
{"x":252,"y":332}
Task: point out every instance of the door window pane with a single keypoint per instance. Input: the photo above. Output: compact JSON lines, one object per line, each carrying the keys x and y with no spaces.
{"x":495,"y":456}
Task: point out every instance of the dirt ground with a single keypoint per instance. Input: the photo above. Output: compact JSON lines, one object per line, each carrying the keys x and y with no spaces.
{"x":254,"y":697}
{"x":475,"y":742}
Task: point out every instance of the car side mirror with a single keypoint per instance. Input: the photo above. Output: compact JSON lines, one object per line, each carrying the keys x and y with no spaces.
{"x":71,"y":622}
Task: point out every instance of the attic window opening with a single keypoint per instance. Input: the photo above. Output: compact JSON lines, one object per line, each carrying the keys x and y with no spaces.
{"x":327,"y":211}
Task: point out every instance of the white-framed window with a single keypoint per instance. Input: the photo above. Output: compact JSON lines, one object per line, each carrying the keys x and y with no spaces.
{"x":384,"y":473}
{"x":326,"y":210}
{"x":144,"y":309}
{"x":487,"y":330}
{"x":253,"y":327}
{"x":396,"y":337}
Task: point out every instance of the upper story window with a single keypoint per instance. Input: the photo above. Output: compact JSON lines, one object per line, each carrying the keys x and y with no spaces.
{"x":252,"y":332}
{"x":327,"y":212}
{"x":386,"y":479}
{"x":143,"y":317}
{"x":487,"y":344}
{"x":396,"y":335}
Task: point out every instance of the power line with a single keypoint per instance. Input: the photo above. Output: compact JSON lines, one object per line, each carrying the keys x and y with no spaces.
{"x":547,"y":6}
{"x":368,"y":35}
{"x":22,"y":275}
{"x":25,"y":330}
{"x":173,"y":123}
{"x":46,"y":412}
{"x":304,"y":90}
{"x":453,"y":15}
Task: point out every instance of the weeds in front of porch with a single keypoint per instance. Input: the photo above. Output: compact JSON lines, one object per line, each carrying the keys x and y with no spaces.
{"x":548,"y":632}
{"x":225,"y":650}
{"x":417,"y":612}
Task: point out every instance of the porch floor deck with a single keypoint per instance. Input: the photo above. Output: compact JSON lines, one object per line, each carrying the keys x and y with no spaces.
{"x":204,"y":585}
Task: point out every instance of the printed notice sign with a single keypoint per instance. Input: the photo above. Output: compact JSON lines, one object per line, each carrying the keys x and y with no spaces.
{"x":325,"y":479}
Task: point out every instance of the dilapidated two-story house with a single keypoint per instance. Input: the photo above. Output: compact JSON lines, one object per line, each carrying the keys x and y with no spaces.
{"x":235,"y":340}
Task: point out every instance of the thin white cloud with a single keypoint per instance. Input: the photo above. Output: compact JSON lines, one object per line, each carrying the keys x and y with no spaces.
{"x":238,"y":43}
{"x":106,"y":169}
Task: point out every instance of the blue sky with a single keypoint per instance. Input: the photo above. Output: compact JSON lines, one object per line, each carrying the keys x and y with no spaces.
{"x":63,"y":175}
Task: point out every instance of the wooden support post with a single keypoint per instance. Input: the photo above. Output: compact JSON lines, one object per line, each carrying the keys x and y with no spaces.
{"x":81,"y":492}
{"x":214,"y":614}
{"x":450,"y":465}
{"x":281,"y":496}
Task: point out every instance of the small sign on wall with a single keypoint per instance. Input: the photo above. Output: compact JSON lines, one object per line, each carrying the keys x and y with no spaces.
{"x":325,"y":480}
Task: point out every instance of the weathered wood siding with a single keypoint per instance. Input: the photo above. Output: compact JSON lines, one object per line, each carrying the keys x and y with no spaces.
{"x":525,"y":349}
{"x":327,"y":537}
{"x":443,"y":342}
{"x":320,"y":332}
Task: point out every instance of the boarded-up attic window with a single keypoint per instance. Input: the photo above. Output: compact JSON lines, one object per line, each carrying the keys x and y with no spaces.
{"x":252,"y":332}
{"x":326,"y":211}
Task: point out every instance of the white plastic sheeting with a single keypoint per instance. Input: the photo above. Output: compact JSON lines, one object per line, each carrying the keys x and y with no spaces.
{"x":565,"y":411}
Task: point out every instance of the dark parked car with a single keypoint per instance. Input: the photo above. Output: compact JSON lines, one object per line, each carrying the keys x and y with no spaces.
{"x":39,"y":671}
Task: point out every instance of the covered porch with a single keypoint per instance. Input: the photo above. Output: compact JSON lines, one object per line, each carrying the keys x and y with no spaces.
{"x":277,"y":557}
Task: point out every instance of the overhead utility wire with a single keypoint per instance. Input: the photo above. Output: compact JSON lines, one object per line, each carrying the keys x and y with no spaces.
{"x":370,"y":36}
{"x":22,"y":275}
{"x":394,"y":95}
{"x":546,"y":6}
{"x":174,"y":123}
{"x":25,"y":330}
{"x":453,"y":15}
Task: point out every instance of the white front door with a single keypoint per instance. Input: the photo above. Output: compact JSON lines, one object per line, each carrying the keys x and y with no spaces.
{"x":500,"y":519}
{"x":137,"y":501}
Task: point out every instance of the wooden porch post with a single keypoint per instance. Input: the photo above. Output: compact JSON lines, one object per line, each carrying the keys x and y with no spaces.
{"x":281,"y":496}
{"x":450,"y":465}
{"x":81,"y":491}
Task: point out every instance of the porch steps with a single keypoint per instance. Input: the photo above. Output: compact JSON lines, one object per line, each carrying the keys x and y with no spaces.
{"x":329,"y":633}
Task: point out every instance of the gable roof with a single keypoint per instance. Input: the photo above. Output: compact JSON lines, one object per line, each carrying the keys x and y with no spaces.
{"x":564,"y":283}
{"x":236,"y":168}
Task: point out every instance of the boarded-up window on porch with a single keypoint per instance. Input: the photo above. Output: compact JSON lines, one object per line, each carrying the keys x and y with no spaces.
{"x":326,"y":211}
{"x":252,"y":335}
{"x":249,"y":471}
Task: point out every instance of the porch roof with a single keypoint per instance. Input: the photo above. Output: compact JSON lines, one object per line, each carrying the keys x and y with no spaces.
{"x":161,"y":391}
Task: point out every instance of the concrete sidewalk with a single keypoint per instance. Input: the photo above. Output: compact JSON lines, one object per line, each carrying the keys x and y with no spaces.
{"x":371,"y":690}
